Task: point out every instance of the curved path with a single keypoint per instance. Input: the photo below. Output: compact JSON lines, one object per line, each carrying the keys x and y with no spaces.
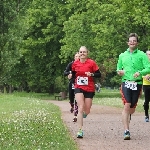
{"x":103,"y":129}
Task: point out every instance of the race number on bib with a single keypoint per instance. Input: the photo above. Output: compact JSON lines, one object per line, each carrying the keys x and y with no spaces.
{"x":131,"y":85}
{"x":82,"y":80}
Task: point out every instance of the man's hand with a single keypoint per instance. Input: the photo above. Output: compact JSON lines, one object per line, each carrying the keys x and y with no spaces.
{"x":121,"y":72}
{"x":136,"y":74}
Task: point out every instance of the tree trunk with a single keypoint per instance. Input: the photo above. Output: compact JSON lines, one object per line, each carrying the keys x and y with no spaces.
{"x":5,"y":90}
{"x":10,"y":89}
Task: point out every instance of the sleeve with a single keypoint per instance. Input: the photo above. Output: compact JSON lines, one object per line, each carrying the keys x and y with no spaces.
{"x":73,"y":70}
{"x":97,"y":74}
{"x":119,"y":63}
{"x":95,"y":66}
{"x":96,"y":70}
{"x":68,"y":69}
{"x":146,"y":65}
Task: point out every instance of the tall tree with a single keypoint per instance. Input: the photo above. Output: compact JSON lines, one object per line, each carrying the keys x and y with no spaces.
{"x":103,"y":26}
{"x":44,"y":20}
{"x":9,"y":39}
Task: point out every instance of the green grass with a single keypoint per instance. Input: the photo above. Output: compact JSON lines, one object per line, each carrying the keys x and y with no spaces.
{"x":113,"y":98}
{"x":116,"y":102}
{"x":43,"y":96}
{"x":29,"y":123}
{"x":108,"y":93}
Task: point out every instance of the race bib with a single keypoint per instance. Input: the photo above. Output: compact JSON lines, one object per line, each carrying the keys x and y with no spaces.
{"x":131,"y":85}
{"x":72,"y":86}
{"x":82,"y":80}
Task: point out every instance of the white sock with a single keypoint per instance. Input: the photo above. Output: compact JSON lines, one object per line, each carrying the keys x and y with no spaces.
{"x":126,"y":130}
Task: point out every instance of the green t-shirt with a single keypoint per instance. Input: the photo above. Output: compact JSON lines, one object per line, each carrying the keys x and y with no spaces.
{"x":137,"y":61}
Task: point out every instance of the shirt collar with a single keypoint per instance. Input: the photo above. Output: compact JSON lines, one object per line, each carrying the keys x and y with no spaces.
{"x":135,"y":51}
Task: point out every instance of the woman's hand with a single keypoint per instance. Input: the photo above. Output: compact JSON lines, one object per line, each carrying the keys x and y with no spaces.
{"x":69,"y":76}
{"x":89,"y":74}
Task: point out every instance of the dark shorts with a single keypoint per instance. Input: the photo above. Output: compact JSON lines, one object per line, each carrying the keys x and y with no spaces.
{"x":146,"y":90}
{"x":85,"y":93}
{"x":129,"y":95}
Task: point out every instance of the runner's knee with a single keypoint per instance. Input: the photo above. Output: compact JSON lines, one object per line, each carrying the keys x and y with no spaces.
{"x":146,"y":106}
{"x":127,"y":107}
{"x":132,"y":110}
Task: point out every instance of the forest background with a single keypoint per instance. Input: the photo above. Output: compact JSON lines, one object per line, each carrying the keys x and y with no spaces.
{"x":39,"y":38}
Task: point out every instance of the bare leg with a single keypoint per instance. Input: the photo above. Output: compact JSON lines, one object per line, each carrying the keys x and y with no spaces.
{"x":87,"y":105}
{"x":126,"y":115}
{"x":80,"y":102}
{"x":132,"y":110}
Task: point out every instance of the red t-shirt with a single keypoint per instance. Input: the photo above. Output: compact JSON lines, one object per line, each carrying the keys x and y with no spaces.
{"x":83,"y":81}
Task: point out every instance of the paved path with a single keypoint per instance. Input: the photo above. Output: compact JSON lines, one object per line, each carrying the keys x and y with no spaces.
{"x":103,"y":129}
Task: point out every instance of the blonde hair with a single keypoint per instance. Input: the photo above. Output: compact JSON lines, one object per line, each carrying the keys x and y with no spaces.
{"x":84,"y":48}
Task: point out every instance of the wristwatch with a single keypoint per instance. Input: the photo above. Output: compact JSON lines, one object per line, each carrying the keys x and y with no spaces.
{"x":92,"y":74}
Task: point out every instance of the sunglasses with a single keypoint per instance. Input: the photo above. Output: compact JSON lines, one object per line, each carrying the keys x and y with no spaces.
{"x":132,"y":41}
{"x":82,"y":52}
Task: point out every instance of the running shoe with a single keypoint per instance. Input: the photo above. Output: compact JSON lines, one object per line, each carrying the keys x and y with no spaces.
{"x":80,"y":134}
{"x":146,"y":118}
{"x":84,"y":115}
{"x":126,"y":135}
{"x":75,"y":119}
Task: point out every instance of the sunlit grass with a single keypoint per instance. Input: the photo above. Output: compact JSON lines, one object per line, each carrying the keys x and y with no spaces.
{"x":116,"y":102}
{"x":29,"y":123}
{"x":110,"y":97}
{"x":43,"y":96}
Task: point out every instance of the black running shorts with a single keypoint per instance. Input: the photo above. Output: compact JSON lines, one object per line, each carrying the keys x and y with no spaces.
{"x":129,"y":95}
{"x":85,"y":93}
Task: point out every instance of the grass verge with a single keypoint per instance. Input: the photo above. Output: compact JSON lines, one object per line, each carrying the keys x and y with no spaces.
{"x":26,"y":122}
{"x":108,"y":97}
{"x":29,"y":123}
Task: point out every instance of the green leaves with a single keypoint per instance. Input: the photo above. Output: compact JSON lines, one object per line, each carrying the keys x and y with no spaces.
{"x":103,"y":27}
{"x":46,"y":34}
